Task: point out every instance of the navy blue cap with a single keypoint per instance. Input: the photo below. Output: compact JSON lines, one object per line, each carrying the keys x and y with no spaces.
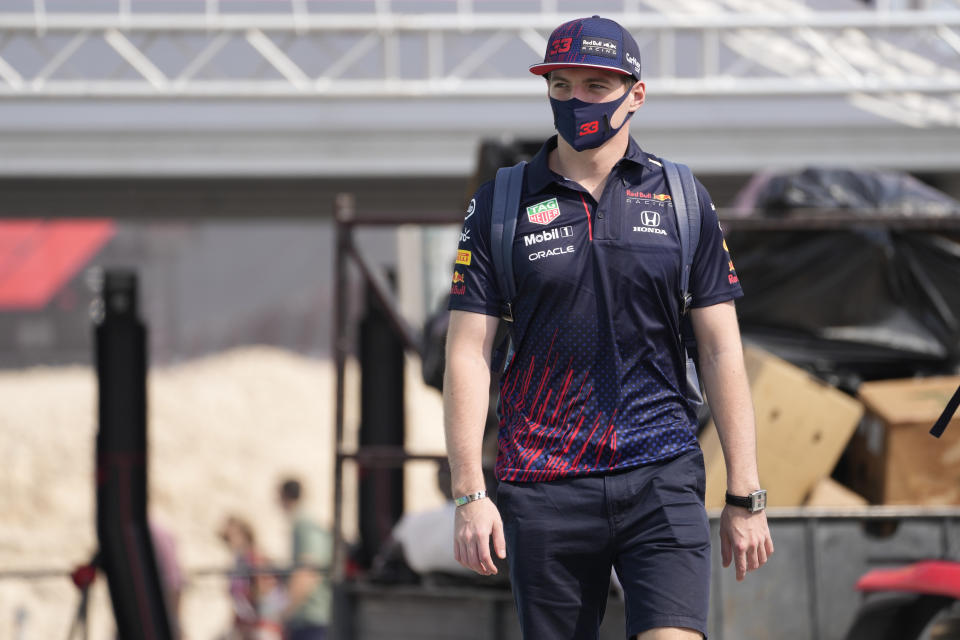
{"x":595,"y":42}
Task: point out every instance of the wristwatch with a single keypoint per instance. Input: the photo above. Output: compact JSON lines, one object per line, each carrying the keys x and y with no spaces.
{"x":756,"y":501}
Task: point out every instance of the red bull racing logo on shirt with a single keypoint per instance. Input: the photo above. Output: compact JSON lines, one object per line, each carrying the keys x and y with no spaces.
{"x":661,"y":196}
{"x":459,"y":287}
{"x":544,"y":212}
{"x":729,"y":259}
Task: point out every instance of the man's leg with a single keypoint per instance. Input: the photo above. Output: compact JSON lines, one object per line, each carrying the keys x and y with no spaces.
{"x":558,"y":547}
{"x":663,"y":547}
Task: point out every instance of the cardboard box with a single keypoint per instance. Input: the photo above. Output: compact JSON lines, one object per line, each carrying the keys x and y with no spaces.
{"x":830,"y":493}
{"x":893,"y":458}
{"x":803,"y":426}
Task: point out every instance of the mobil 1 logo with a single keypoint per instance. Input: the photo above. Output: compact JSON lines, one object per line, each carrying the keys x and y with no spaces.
{"x":545,"y":236}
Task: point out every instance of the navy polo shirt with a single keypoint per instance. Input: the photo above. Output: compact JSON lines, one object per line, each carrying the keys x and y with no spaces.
{"x":597,"y":382}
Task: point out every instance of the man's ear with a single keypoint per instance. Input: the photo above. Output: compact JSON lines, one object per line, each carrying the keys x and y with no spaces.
{"x":639,"y":91}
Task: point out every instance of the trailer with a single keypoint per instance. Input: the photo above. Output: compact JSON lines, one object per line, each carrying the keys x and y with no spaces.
{"x":805,"y":592}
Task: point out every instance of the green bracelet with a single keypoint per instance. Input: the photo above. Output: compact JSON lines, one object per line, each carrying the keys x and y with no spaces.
{"x":470,"y":497}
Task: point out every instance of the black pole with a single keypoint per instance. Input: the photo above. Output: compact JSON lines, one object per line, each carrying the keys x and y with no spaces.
{"x":381,"y":424}
{"x":126,"y":550}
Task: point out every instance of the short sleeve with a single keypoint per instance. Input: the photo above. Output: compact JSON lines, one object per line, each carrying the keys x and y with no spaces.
{"x":312,"y":546}
{"x":473,"y":286}
{"x":713,"y":279}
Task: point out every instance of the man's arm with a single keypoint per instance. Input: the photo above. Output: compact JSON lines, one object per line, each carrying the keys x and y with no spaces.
{"x":744,"y":537}
{"x":466,"y":383}
{"x":301,"y":584}
{"x":312,"y":548}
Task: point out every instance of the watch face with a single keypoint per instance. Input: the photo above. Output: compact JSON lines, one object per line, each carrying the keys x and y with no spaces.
{"x":758,"y":501}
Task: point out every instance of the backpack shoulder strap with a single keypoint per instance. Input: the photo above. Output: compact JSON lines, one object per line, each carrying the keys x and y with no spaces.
{"x":686,"y":205}
{"x":507,"y":188}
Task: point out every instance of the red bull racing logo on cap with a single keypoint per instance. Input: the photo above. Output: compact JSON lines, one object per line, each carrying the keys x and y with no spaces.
{"x":599,"y":47}
{"x":544,"y":212}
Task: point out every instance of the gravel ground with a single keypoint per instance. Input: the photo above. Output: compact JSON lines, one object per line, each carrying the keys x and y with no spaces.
{"x":223,"y":431}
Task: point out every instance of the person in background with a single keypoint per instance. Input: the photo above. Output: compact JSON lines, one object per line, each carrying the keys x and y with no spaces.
{"x":307,"y":613}
{"x":254,"y":597}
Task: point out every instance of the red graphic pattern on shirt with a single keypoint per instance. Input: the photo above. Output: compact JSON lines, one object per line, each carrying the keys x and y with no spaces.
{"x":545,"y":443}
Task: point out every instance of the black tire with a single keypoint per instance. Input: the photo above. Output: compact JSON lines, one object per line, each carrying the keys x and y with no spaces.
{"x":896,"y":617}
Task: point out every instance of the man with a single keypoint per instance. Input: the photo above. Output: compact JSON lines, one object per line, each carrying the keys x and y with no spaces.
{"x":598,"y":461}
{"x":307,"y":614}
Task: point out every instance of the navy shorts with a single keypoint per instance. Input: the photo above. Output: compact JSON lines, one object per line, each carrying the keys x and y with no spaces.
{"x":648,"y":523}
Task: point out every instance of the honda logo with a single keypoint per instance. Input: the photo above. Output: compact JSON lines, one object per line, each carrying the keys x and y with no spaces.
{"x":650,"y":218}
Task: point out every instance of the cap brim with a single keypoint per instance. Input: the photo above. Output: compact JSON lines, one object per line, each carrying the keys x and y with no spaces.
{"x":546,"y":67}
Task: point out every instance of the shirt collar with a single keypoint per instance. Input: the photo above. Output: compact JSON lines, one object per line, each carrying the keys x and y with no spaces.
{"x":540,"y":176}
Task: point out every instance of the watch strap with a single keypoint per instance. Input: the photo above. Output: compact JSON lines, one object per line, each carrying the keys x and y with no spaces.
{"x":755,"y":501}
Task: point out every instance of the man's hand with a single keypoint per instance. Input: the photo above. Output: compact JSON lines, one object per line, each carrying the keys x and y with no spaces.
{"x":473,"y":525}
{"x":744,"y":539}
{"x":300,"y":585}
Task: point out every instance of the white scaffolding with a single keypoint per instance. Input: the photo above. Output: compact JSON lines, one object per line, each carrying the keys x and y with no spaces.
{"x":690,"y":48}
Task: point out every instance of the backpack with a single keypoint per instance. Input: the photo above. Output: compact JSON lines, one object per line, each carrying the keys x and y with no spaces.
{"x":507,"y":189}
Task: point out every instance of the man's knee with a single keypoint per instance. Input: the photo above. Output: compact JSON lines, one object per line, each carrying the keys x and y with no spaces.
{"x":669,"y":633}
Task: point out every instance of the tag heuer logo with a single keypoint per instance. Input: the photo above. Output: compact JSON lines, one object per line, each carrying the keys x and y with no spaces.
{"x":544,"y":212}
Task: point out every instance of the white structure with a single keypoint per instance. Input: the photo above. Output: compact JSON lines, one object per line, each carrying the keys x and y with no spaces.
{"x":331,"y":89}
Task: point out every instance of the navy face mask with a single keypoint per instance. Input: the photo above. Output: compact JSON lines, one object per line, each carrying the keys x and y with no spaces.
{"x":586,"y":125}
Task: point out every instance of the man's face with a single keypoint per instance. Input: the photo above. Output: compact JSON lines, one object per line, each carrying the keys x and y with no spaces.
{"x":594,"y":85}
{"x":589,"y":85}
